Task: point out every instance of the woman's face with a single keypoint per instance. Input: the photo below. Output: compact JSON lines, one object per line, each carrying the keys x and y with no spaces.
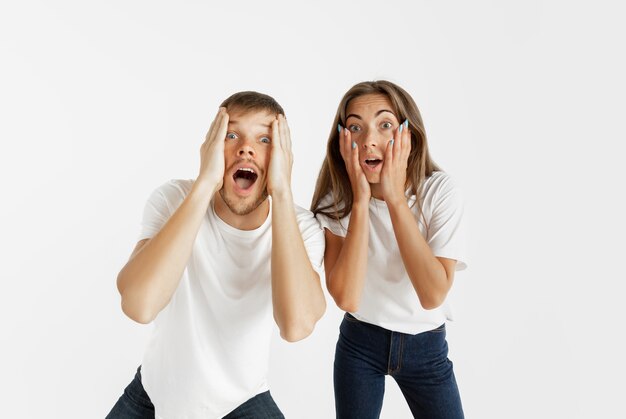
{"x":372,"y":122}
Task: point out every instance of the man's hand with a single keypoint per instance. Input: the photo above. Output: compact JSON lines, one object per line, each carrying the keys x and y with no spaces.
{"x":212,"y":153}
{"x":281,"y":159}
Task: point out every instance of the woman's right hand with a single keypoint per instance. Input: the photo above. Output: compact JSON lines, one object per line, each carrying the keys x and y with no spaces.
{"x":212,"y":153}
{"x":361,"y":190}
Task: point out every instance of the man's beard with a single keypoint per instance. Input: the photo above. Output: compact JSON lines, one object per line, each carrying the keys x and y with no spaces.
{"x":238,"y":207}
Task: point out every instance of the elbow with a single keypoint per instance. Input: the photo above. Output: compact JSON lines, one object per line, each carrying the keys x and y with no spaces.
{"x":347,"y":305}
{"x":432,"y":302}
{"x":299,"y":330}
{"x":135,"y":305}
{"x":137,"y":312}
{"x":295,"y":333}
{"x":345,"y":302}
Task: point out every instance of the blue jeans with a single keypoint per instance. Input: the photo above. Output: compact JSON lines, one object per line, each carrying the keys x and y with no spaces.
{"x":135,"y":404}
{"x":419,"y":363}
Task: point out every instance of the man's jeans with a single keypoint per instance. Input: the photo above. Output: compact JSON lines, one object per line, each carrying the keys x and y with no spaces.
{"x":135,"y":404}
{"x":419,"y":363}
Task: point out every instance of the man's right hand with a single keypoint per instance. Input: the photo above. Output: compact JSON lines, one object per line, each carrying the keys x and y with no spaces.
{"x":212,"y":153}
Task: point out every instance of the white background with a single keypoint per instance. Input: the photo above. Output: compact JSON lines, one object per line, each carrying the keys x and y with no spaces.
{"x":524,"y":103}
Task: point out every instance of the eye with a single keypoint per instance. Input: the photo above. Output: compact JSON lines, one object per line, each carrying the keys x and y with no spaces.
{"x":231,"y":136}
{"x":354,"y":128}
{"x":266,"y":140}
{"x":386,"y":125}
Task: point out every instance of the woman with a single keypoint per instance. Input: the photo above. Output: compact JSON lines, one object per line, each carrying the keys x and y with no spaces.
{"x":394,"y":239}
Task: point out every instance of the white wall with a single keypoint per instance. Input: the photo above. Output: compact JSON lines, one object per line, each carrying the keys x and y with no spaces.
{"x":101,"y":102}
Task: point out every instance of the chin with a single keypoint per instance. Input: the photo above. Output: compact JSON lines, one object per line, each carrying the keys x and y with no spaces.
{"x":242,"y":205}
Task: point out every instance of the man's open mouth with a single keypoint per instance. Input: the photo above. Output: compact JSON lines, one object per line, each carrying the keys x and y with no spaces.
{"x":245,"y":177}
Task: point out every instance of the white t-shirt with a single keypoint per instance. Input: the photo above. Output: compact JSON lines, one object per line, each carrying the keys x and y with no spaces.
{"x":389,"y":299}
{"x":209,"y":350}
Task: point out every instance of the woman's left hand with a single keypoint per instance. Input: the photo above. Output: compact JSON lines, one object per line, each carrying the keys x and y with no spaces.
{"x":393,"y":174}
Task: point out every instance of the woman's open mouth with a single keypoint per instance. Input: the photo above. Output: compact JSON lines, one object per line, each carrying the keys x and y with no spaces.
{"x":373,"y":163}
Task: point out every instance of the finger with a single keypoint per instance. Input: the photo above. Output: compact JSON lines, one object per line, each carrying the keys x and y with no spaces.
{"x":397,"y":142}
{"x":389,"y":155}
{"x":340,"y":141}
{"x":354,"y":150}
{"x":406,"y":141}
{"x":285,"y":134}
{"x":275,"y":135}
{"x":222,"y":129}
{"x":215,"y":123}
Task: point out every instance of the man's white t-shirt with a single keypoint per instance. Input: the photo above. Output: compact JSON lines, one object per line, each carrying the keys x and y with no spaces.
{"x":209,"y":349}
{"x":389,"y":299}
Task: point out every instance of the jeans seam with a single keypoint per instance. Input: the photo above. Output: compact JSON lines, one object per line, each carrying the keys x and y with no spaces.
{"x":390,"y":353}
{"x":401,"y":351}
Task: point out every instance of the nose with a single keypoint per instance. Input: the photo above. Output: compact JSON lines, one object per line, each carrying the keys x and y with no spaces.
{"x":246,"y":150}
{"x":370,"y":140}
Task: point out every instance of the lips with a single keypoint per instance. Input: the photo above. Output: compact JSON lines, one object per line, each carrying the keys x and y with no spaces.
{"x":372,"y":163}
{"x":245,"y":177}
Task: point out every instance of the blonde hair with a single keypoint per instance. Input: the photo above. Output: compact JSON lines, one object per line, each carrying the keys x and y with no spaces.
{"x":333,"y":176}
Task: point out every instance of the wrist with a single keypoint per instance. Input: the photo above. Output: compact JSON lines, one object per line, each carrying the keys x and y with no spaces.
{"x":206,"y":186}
{"x":396,"y":201}
{"x":281,"y":194}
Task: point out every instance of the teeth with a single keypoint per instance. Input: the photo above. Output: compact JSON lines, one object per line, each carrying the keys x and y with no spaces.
{"x":246,"y":169}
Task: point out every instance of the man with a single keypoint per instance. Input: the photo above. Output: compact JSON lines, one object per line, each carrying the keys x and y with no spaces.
{"x":210,"y":269}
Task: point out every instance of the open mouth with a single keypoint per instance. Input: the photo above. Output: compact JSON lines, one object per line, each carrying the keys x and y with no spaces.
{"x":245,"y":177}
{"x":373,"y":162}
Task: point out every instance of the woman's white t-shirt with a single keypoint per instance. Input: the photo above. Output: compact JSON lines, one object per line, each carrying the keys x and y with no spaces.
{"x":209,"y":350}
{"x":389,"y":299}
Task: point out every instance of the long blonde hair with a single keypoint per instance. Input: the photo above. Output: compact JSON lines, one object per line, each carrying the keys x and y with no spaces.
{"x":333,"y":176}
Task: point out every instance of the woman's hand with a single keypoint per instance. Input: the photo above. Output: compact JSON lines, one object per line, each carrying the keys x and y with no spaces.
{"x":361,"y":190}
{"x":393,"y":174}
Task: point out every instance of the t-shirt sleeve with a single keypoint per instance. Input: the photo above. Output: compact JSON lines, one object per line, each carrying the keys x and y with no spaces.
{"x":334,"y":226}
{"x":313,"y":238}
{"x":446,"y":229}
{"x":161,"y":204}
{"x":337,"y":227}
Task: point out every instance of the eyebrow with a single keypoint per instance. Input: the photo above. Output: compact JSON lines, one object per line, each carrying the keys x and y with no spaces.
{"x":377,"y":113}
{"x":235,"y":122}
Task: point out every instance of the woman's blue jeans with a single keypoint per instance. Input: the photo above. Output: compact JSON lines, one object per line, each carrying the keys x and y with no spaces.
{"x":135,"y":404}
{"x":366,"y":353}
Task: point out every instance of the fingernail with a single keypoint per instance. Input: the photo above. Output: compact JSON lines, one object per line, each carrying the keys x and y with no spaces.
{"x":401,"y":126}
{"x":353,"y":144}
{"x":391,"y":142}
{"x":339,"y":128}
{"x":406,"y":123}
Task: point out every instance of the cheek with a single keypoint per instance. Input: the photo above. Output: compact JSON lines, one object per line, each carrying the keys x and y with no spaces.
{"x":263,"y":158}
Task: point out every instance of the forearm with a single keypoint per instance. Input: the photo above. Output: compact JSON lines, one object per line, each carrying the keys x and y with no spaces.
{"x":427,"y":274}
{"x":346,"y":279}
{"x":297,"y":295}
{"x":149,"y":279}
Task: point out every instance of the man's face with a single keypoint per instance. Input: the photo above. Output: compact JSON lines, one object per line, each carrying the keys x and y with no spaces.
{"x":246,"y":155}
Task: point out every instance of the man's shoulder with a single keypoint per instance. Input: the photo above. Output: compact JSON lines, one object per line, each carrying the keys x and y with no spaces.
{"x":175,"y":188}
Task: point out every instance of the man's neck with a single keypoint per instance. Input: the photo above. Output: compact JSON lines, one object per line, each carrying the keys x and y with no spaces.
{"x":250,"y":221}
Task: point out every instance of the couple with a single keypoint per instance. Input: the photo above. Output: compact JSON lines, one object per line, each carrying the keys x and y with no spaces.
{"x":213,"y":274}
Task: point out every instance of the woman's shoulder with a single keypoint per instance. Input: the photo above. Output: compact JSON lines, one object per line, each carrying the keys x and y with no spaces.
{"x":438,"y":183}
